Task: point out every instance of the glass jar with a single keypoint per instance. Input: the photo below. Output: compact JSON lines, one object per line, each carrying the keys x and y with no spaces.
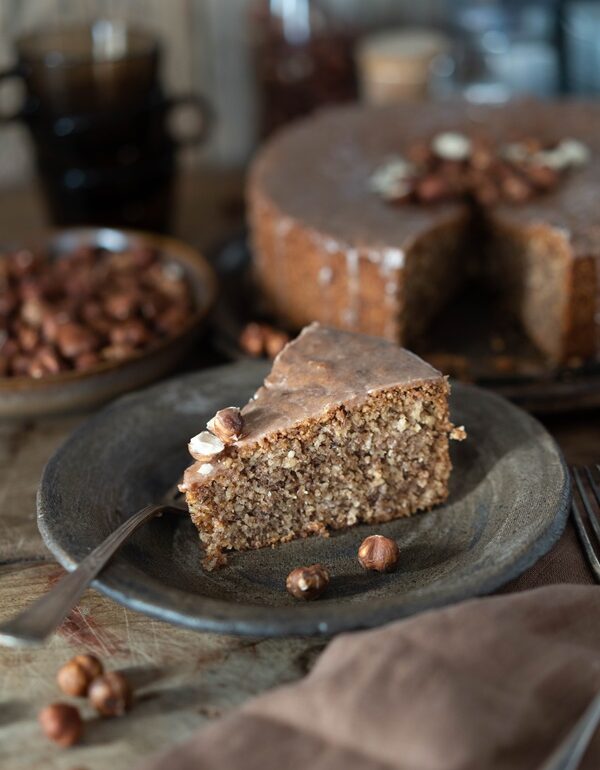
{"x":303,"y":60}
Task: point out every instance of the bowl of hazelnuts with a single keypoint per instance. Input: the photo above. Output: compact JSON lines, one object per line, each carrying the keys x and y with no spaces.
{"x":87,"y":314}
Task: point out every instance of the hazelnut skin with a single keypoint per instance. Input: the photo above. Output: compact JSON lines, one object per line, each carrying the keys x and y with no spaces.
{"x":61,"y":723}
{"x":307,"y":582}
{"x":379,"y":553}
{"x":75,"y":677}
{"x":227,"y":425}
{"x":110,"y":694}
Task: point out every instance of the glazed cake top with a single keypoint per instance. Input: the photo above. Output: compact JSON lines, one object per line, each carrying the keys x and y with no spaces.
{"x":317,"y":171}
{"x":319,"y":370}
{"x":324,"y":367}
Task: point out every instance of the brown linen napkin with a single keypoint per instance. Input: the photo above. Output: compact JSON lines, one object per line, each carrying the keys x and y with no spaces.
{"x":489,"y":684}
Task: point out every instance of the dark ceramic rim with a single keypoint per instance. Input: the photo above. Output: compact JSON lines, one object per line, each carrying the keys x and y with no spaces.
{"x":298,"y":620}
{"x":192,"y":260}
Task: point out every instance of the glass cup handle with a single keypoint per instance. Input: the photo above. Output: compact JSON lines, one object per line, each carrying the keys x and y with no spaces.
{"x":204,"y":120}
{"x":12,"y":72}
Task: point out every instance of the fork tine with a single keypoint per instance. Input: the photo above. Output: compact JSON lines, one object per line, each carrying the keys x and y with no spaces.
{"x":582,"y":531}
{"x":594,"y":513}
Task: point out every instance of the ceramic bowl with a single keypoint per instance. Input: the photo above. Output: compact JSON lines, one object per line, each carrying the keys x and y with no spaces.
{"x":73,"y":390}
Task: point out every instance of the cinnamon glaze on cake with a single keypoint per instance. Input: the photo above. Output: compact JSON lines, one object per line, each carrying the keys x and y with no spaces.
{"x":328,"y":248}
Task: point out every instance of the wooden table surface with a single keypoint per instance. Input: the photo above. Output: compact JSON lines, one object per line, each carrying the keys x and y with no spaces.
{"x":182,"y":679}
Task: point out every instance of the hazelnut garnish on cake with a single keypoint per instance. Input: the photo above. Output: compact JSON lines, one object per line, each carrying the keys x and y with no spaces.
{"x":347,"y":428}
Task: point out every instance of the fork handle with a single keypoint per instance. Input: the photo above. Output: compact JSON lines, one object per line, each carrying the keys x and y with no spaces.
{"x":36,"y":622}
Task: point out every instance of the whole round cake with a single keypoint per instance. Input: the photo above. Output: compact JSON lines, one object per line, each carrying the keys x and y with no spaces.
{"x":371,"y":218}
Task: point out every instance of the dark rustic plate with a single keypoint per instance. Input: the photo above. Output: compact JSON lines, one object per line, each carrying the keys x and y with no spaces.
{"x":508,"y":505}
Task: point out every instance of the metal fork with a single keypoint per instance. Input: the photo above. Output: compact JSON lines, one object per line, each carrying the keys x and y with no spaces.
{"x":586,"y":498}
{"x":589,"y":498}
{"x":35,"y":623}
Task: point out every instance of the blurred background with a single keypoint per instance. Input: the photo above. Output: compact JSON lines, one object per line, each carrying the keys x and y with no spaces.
{"x":101,"y":101}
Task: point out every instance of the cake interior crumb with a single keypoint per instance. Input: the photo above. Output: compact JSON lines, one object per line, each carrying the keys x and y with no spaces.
{"x":383,"y":458}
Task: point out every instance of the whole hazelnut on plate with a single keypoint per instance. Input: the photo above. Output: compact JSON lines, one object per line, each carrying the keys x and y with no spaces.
{"x":227,"y":425}
{"x":61,"y":723}
{"x":307,"y":582}
{"x":378,"y":553}
{"x":75,"y":677}
{"x":110,"y":694}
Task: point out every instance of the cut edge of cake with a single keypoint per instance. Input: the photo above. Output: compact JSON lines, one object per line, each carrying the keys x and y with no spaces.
{"x":346,"y":429}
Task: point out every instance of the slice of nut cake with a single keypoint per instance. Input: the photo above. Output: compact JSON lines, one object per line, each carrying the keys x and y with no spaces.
{"x":346,"y":429}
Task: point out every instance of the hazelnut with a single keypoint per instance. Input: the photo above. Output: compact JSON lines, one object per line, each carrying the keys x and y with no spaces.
{"x":252,"y":340}
{"x":451,"y":146}
{"x":32,"y":312}
{"x":75,"y":677}
{"x":51,"y":322}
{"x":110,"y":694}
{"x":91,"y":664}
{"x":542,"y":177}
{"x":121,"y":305}
{"x":73,"y":340}
{"x":132,"y":332}
{"x":205,"y":446}
{"x":515,"y":189}
{"x":432,"y":189}
{"x":117,"y":352}
{"x":307,"y":582}
{"x":378,"y":553}
{"x":72,"y":679}
{"x":274,"y":341}
{"x":71,"y":312}
{"x":227,"y":425}
{"x":61,"y":723}
{"x":28,"y":338}
{"x":44,"y":361}
{"x":482,"y":155}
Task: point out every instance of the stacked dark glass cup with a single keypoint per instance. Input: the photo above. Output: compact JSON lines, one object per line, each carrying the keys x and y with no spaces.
{"x":100,"y":123}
